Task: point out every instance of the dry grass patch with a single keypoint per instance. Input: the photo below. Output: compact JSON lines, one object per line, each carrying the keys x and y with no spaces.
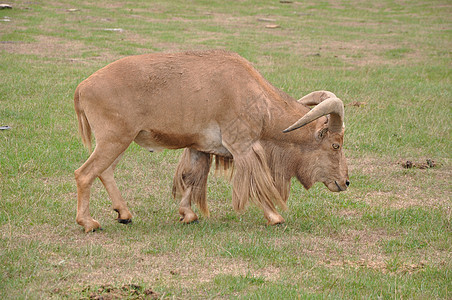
{"x":383,"y":266}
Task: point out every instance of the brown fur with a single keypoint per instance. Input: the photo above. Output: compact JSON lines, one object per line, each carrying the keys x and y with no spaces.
{"x":193,"y":173}
{"x":224,"y":166}
{"x":253,"y":181}
{"x":281,"y":162}
{"x":212,"y":103}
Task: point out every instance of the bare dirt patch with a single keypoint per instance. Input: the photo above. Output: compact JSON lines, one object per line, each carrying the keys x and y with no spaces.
{"x":365,"y":52}
{"x":206,"y":268}
{"x":351,"y":244}
{"x":402,"y":188}
{"x":364,"y":249}
{"x":47,"y":46}
{"x":98,"y":260}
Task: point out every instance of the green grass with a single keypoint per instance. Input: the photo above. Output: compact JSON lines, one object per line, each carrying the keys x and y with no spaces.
{"x":387,"y":237}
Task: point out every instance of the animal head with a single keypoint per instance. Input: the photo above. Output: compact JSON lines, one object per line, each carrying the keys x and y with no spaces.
{"x":323,"y":160}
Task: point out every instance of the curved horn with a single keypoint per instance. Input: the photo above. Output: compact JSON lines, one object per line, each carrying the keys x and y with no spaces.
{"x":332,"y":106}
{"x":316,"y":97}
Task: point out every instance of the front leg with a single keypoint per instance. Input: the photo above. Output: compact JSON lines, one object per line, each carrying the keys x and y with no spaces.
{"x":272,"y":216}
{"x":190,"y":183}
{"x":187,"y":214}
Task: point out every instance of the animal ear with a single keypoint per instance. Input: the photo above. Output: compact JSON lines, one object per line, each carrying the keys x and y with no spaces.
{"x":321,"y":133}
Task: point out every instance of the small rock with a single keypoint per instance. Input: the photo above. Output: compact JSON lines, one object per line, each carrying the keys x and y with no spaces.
{"x":114,"y":29}
{"x":73,"y":9}
{"x":266,"y":20}
{"x":5,"y":6}
{"x":5,"y":128}
{"x":272,"y":26}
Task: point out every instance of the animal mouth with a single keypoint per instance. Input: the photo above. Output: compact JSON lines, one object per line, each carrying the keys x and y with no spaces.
{"x":339,"y":187}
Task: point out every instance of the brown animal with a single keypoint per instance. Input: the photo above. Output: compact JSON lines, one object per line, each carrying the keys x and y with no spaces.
{"x":211,"y":103}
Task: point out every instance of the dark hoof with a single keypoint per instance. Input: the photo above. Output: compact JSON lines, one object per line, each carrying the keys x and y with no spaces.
{"x":280,"y":224}
{"x":125,"y":221}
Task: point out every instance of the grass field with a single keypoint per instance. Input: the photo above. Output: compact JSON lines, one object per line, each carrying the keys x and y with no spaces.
{"x":388,"y":237}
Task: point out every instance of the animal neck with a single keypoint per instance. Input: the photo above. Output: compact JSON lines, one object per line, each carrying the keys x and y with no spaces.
{"x":284,"y":112}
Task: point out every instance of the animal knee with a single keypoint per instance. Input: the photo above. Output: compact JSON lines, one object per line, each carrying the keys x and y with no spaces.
{"x":83,"y":180}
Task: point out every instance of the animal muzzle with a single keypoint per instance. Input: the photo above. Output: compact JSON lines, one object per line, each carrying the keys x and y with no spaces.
{"x":338,"y":185}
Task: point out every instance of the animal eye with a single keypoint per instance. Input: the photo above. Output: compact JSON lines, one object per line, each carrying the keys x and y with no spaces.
{"x":336,"y":146}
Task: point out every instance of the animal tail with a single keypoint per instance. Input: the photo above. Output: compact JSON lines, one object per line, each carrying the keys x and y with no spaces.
{"x":83,"y":125}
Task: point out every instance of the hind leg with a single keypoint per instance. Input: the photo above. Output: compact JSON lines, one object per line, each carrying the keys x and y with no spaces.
{"x":190,"y":182}
{"x":119,"y":205}
{"x":100,"y":160}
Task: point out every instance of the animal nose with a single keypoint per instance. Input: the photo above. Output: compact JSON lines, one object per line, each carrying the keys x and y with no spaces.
{"x":347,"y":183}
